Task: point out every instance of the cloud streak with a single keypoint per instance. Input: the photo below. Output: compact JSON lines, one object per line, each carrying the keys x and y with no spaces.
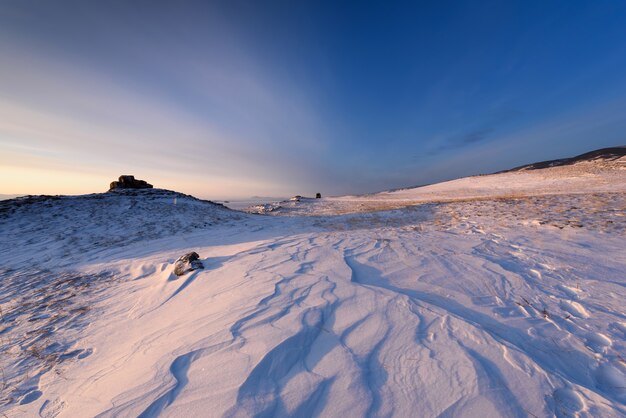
{"x":230,"y":99}
{"x":63,"y":113}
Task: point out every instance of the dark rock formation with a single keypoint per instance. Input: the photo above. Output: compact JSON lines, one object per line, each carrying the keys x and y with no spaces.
{"x":186,"y":263}
{"x":606,"y":154}
{"x":129,"y":182}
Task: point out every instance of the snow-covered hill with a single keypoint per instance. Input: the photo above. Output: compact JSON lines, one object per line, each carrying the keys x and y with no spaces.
{"x":64,"y":229}
{"x":602,"y":155}
{"x":498,"y":295}
{"x":584,"y":176}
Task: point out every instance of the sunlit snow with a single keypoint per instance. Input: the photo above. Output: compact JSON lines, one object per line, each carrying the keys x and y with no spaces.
{"x":498,"y":295}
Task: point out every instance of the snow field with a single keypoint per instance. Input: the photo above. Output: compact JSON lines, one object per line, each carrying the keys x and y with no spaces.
{"x":502,"y":306}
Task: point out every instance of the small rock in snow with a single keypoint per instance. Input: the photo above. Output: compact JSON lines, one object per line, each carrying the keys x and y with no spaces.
{"x":188,"y":262}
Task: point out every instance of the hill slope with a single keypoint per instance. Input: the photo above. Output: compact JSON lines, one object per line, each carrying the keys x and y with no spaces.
{"x":605,"y":174}
{"x":67,"y":227}
{"x":603,"y":154}
{"x":475,"y":307}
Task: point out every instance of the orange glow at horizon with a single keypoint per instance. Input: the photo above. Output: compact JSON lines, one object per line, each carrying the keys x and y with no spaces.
{"x":37,"y":181}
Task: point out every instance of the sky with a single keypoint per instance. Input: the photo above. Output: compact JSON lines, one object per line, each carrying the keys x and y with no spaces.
{"x":233,"y":99}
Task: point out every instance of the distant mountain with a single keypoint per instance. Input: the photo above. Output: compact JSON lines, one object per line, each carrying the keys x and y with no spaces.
{"x":612,"y":153}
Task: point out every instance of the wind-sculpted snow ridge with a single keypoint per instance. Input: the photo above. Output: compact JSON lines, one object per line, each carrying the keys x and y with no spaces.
{"x":507,"y":307}
{"x":43,"y":314}
{"x":507,"y":304}
{"x":47,"y":298}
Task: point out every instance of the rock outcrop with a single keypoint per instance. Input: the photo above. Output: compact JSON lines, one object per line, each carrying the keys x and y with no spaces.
{"x":188,"y":262}
{"x":129,"y":182}
{"x":603,"y":154}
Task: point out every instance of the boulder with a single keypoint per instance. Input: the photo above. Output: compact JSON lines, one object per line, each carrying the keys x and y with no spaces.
{"x":129,"y":182}
{"x":186,"y":263}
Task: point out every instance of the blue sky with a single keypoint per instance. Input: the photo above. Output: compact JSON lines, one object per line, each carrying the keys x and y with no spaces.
{"x":233,"y":99}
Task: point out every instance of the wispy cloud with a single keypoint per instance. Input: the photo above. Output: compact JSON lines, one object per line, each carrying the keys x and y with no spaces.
{"x":226,"y":123}
{"x":235,"y":99}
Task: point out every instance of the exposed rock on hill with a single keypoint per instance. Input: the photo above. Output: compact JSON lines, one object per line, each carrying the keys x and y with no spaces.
{"x":129,"y":182}
{"x":608,"y":154}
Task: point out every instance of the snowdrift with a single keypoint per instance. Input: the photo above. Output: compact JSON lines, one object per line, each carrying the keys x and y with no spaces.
{"x":497,"y":295}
